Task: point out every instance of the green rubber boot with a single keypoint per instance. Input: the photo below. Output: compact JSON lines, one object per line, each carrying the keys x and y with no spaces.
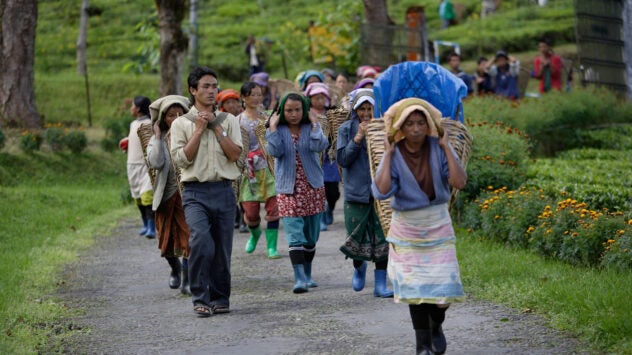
{"x":271,"y":241}
{"x":255,"y":233}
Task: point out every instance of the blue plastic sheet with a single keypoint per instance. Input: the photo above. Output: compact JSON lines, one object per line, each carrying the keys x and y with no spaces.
{"x":424,"y":80}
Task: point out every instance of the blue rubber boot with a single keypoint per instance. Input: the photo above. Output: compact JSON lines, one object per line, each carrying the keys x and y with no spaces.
{"x":380,"y":285}
{"x":300,"y":281}
{"x":144,"y":216}
{"x":151,"y":229}
{"x":359,"y":277}
{"x":308,"y":275}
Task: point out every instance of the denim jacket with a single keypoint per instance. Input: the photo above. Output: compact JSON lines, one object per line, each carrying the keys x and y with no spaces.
{"x":281,"y":146}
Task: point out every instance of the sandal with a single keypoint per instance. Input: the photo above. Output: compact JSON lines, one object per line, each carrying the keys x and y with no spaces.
{"x":202,"y":310}
{"x":220,"y":309}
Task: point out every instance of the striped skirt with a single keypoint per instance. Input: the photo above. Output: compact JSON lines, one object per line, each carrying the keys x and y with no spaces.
{"x":422,"y":264}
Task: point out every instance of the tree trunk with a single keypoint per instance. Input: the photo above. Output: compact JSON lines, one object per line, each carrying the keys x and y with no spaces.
{"x":380,"y":37}
{"x":193,"y":41}
{"x":17,"y":57}
{"x":82,"y":38}
{"x":173,"y":45}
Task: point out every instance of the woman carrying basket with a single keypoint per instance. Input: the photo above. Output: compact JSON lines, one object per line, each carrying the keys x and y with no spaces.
{"x":172,"y":228}
{"x":295,"y":139}
{"x":365,"y":238}
{"x":417,"y":169}
{"x":257,"y":183}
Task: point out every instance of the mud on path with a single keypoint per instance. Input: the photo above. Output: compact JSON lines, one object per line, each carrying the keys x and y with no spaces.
{"x":121,"y":284}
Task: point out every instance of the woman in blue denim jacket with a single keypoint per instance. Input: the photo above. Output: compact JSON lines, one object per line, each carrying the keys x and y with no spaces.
{"x":295,"y":139}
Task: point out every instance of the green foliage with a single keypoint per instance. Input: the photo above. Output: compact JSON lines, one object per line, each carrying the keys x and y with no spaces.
{"x":76,"y":141}
{"x":560,"y":121}
{"x":592,"y":303}
{"x":55,"y":137}
{"x":499,"y":158}
{"x":30,"y":141}
{"x":2,"y":139}
{"x":565,"y":230}
{"x":514,"y":29}
{"x":598,"y":177}
{"x":115,"y":130}
{"x":147,"y":58}
{"x":53,"y":206}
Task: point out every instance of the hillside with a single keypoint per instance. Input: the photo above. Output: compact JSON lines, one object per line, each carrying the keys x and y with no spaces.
{"x":123,"y":35}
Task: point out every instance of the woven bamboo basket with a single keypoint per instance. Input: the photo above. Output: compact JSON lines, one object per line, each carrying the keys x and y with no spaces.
{"x":460,"y":139}
{"x":243,"y":157}
{"x":282,"y":86}
{"x":145,"y":131}
{"x":260,"y":132}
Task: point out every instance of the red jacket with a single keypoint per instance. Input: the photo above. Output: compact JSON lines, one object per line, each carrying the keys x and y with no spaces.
{"x":556,"y":72}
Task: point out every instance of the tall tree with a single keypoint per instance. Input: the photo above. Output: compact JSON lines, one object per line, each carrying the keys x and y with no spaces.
{"x":173,"y":44}
{"x":17,"y":59}
{"x":376,"y":15}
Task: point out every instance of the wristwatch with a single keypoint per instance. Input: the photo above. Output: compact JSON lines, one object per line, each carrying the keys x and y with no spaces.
{"x":222,"y":136}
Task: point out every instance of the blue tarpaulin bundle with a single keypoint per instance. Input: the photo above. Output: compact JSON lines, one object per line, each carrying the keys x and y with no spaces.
{"x":424,"y":80}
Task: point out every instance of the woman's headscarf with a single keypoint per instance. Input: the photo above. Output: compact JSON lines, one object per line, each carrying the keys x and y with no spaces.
{"x":360,"y":84}
{"x":158,"y":108}
{"x":298,"y":97}
{"x":260,"y":78}
{"x":302,"y":81}
{"x":357,"y":98}
{"x":397,"y":114}
{"x":226,"y":94}
{"x":314,"y":89}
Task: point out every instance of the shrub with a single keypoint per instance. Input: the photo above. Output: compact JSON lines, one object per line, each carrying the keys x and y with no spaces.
{"x":115,"y":130}
{"x":595,"y":176}
{"x":498,"y":159}
{"x":55,"y":137}
{"x":567,"y":230}
{"x":76,"y":141}
{"x":30,"y":141}
{"x":2,"y":139}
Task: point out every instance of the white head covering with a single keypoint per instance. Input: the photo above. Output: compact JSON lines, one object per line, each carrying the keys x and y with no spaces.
{"x":359,"y":96}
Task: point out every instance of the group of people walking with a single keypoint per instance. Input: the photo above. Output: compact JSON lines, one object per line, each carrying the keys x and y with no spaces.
{"x":195,"y":155}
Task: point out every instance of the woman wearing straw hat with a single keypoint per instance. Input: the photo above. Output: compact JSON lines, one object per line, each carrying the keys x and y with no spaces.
{"x":171,"y":225}
{"x":295,"y":139}
{"x":416,"y":171}
{"x":365,"y":239}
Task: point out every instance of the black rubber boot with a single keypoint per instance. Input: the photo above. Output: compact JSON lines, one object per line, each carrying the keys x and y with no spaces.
{"x":439,"y":343}
{"x":176,"y":269}
{"x":185,"y":289}
{"x":423,"y":339}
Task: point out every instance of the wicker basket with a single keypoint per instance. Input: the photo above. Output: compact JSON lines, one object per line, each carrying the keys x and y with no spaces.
{"x":460,"y":139}
{"x":243,"y":157}
{"x":282,"y":86}
{"x":260,"y":132}
{"x":145,"y":131}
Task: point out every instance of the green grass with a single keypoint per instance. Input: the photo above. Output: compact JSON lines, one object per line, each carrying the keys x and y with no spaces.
{"x":592,"y":304}
{"x":53,"y":206}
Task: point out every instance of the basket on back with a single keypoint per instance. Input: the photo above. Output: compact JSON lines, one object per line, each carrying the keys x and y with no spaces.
{"x":432,"y":83}
{"x":145,"y":131}
{"x":460,"y":139}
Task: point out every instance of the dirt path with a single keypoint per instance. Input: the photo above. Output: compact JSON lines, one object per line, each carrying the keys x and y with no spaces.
{"x":122,"y":285}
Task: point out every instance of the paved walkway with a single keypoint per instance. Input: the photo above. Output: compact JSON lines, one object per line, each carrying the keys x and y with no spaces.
{"x":121,"y":284}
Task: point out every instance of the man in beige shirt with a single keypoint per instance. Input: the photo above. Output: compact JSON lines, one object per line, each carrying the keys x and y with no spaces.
{"x":205,"y":144}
